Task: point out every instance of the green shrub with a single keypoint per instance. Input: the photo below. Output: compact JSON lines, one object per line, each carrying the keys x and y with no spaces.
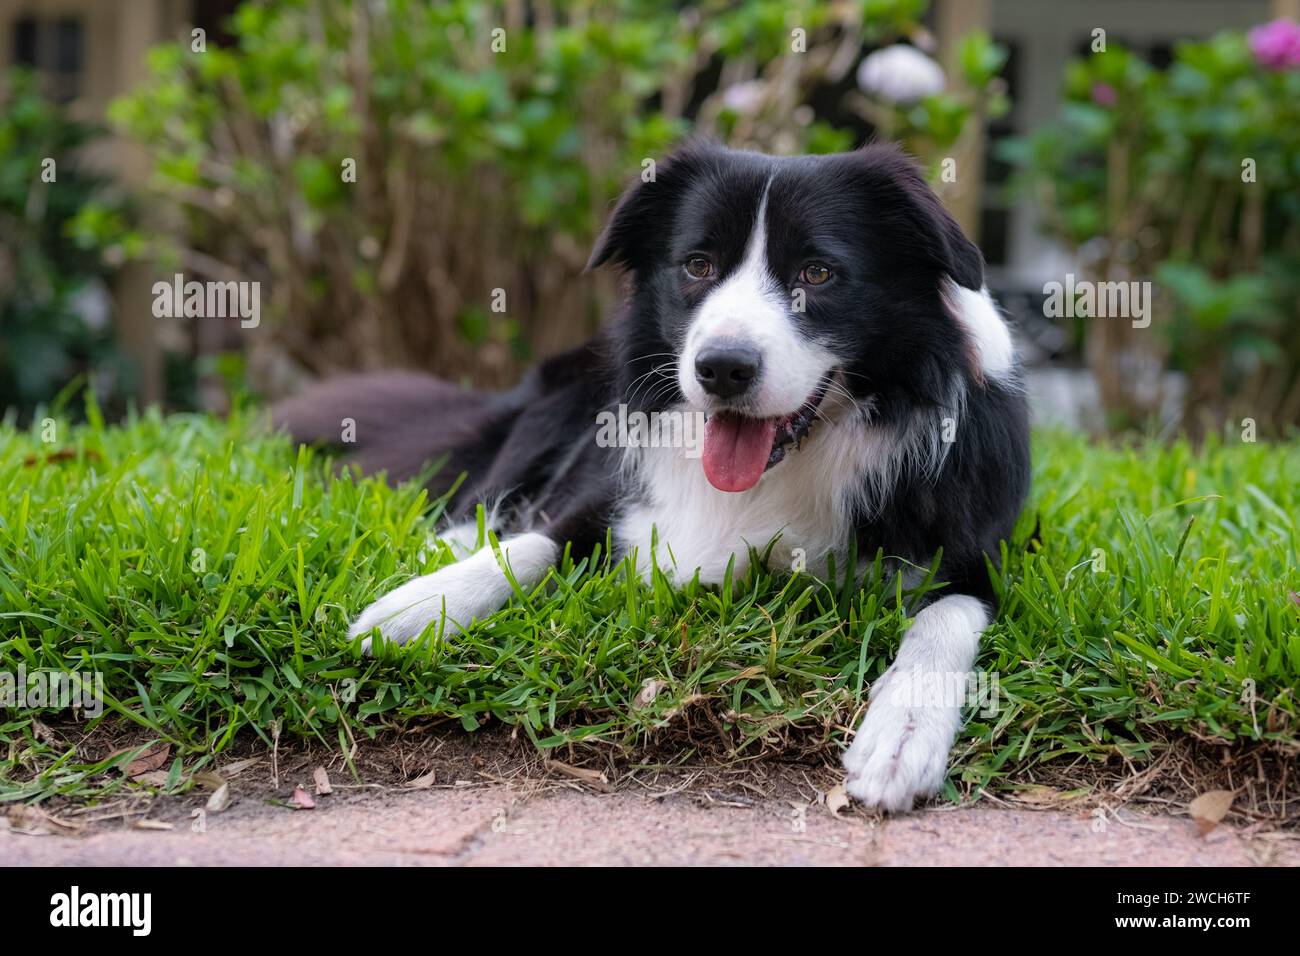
{"x":55,"y":220}
{"x":478,"y":167}
{"x":1191,"y":177}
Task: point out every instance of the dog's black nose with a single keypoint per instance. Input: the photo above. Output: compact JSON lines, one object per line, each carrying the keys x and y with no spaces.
{"x":728,"y":371}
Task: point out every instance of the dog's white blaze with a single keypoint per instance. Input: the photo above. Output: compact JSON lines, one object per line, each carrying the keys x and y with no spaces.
{"x":752,"y":307}
{"x":459,"y":593}
{"x":984,"y":325}
{"x":900,"y":751}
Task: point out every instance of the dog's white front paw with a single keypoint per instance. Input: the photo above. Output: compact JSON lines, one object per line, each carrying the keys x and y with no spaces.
{"x":900,"y":752}
{"x":457,"y":594}
{"x":402,"y":614}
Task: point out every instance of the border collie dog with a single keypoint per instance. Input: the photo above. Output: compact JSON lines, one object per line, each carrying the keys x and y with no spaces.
{"x":827,"y":322}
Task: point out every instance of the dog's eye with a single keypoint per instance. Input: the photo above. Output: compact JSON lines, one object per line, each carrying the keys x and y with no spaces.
{"x":814,"y":274}
{"x":699,"y":267}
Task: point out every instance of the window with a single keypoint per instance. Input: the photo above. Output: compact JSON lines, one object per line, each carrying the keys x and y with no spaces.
{"x":995,"y":207}
{"x":54,"y":47}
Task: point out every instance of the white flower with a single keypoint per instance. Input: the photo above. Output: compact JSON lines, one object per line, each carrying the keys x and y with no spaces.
{"x":900,"y":74}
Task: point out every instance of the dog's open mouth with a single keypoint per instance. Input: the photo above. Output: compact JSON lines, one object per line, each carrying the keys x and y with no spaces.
{"x":738,"y":449}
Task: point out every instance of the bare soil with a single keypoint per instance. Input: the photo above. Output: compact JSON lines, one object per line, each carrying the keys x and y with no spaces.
{"x":441,"y":802}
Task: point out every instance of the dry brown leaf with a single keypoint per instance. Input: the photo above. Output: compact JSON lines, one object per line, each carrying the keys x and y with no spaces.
{"x":153,"y":825}
{"x":208,"y":779}
{"x":151,"y":759}
{"x":1037,"y":795}
{"x":650,"y":689}
{"x":34,"y":821}
{"x":1209,"y":808}
{"x":154,"y":778}
{"x":837,"y":798}
{"x":29,"y":820}
{"x":302,"y":800}
{"x":239,"y":766}
{"x":424,"y":782}
{"x":322,"y":779}
{"x":219,"y":800}
{"x":593,"y":778}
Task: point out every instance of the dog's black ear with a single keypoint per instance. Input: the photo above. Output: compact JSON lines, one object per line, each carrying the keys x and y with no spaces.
{"x":639,"y":225}
{"x":899,"y":195}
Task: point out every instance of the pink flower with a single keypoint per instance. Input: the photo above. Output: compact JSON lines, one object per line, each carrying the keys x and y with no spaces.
{"x":1103,"y":94}
{"x":1276,"y":45}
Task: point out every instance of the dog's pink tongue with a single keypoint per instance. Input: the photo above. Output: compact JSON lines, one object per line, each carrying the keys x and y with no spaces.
{"x":736,"y":450}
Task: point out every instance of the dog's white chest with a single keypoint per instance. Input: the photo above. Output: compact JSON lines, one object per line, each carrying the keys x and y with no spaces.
{"x":807,"y":500}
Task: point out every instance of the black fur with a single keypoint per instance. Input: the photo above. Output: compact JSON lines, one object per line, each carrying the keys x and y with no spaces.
{"x":872,"y":218}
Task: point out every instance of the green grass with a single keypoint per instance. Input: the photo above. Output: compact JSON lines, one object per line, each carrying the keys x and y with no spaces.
{"x":209,"y":572}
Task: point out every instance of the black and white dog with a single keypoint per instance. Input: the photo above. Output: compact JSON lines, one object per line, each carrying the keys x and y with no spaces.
{"x":829,"y":319}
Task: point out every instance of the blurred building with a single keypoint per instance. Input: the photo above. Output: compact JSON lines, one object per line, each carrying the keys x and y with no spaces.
{"x":1041,"y":37}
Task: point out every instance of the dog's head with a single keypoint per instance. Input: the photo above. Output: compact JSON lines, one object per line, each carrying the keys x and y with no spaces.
{"x":761,"y":283}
